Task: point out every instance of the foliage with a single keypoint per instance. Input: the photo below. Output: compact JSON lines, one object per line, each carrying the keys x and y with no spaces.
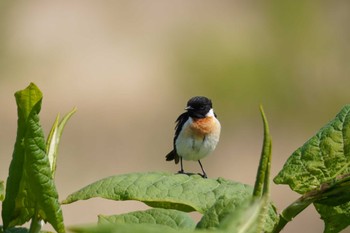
{"x":318,"y":170}
{"x":172,"y":218}
{"x":164,"y":190}
{"x":30,"y":189}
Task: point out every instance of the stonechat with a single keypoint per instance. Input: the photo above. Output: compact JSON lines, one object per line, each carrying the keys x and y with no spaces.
{"x":197,"y":133}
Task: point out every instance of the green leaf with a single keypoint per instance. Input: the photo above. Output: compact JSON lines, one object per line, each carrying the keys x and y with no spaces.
{"x":135,"y":228}
{"x":164,"y":190}
{"x":336,"y":218}
{"x":171,"y":218}
{"x":314,"y":170}
{"x":263,"y":175}
{"x":214,"y":216}
{"x":2,"y":192}
{"x":225,"y":208}
{"x":327,"y":200}
{"x":26,"y":100}
{"x":335,"y":192}
{"x":51,"y":148}
{"x":247,"y":217}
{"x":20,"y":230}
{"x":16,"y":230}
{"x":25,"y":103}
{"x":54,"y":138}
{"x":270,"y":218}
{"x":132,"y":228}
{"x":322,"y":158}
{"x":30,"y":189}
{"x":333,"y":204}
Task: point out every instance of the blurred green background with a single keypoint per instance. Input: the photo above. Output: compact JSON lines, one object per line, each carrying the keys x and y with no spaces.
{"x":130,"y":66}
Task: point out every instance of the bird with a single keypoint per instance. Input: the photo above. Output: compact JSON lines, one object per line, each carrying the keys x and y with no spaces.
{"x":197,"y":133}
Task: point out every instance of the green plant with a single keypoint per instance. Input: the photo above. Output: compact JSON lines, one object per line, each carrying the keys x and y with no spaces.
{"x":30,"y":189}
{"x":318,"y":171}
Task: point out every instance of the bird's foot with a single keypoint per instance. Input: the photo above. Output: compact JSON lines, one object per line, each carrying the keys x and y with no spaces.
{"x":191,"y":174}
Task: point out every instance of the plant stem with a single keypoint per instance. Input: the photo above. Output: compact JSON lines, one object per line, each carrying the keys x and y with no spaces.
{"x":35,"y":225}
{"x":334,"y":192}
{"x":294,"y":209}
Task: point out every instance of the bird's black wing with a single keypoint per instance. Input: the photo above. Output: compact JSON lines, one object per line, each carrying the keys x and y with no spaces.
{"x":180,"y":121}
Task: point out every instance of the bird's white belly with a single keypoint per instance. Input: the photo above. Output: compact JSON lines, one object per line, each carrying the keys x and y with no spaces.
{"x":191,"y":146}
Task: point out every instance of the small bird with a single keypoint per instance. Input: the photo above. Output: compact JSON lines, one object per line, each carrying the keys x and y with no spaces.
{"x":197,"y":133}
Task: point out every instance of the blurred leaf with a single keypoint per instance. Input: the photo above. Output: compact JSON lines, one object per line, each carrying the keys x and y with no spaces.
{"x":30,"y":189}
{"x":225,"y":209}
{"x":51,"y":148}
{"x":130,"y":228}
{"x":246,"y":218}
{"x":171,"y":218}
{"x":16,"y":230}
{"x":19,"y":230}
{"x":53,"y":139}
{"x":270,"y":218}
{"x":2,"y":191}
{"x":164,"y":190}
{"x":219,"y":211}
{"x":322,"y":158}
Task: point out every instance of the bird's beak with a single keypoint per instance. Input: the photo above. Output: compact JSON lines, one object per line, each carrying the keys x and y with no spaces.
{"x":188,"y":108}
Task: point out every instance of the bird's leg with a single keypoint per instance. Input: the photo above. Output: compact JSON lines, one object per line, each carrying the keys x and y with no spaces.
{"x":204,"y":175}
{"x":182,"y":168}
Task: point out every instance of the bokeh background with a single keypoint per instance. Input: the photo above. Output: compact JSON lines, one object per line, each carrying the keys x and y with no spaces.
{"x":130,"y":66}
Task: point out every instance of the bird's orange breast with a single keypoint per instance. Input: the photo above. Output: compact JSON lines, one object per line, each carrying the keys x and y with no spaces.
{"x":203,"y":126}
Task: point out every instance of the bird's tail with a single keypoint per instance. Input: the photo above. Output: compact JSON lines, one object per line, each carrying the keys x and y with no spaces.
{"x":172,"y":155}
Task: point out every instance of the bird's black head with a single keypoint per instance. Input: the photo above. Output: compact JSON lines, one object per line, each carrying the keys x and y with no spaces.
{"x":198,"y":106}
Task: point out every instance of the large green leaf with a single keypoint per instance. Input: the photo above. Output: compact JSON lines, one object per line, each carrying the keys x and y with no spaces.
{"x":25,"y":103}
{"x":322,"y":158}
{"x":165,"y":190}
{"x":171,"y":218}
{"x":318,"y":167}
{"x":175,"y":191}
{"x":30,"y":189}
